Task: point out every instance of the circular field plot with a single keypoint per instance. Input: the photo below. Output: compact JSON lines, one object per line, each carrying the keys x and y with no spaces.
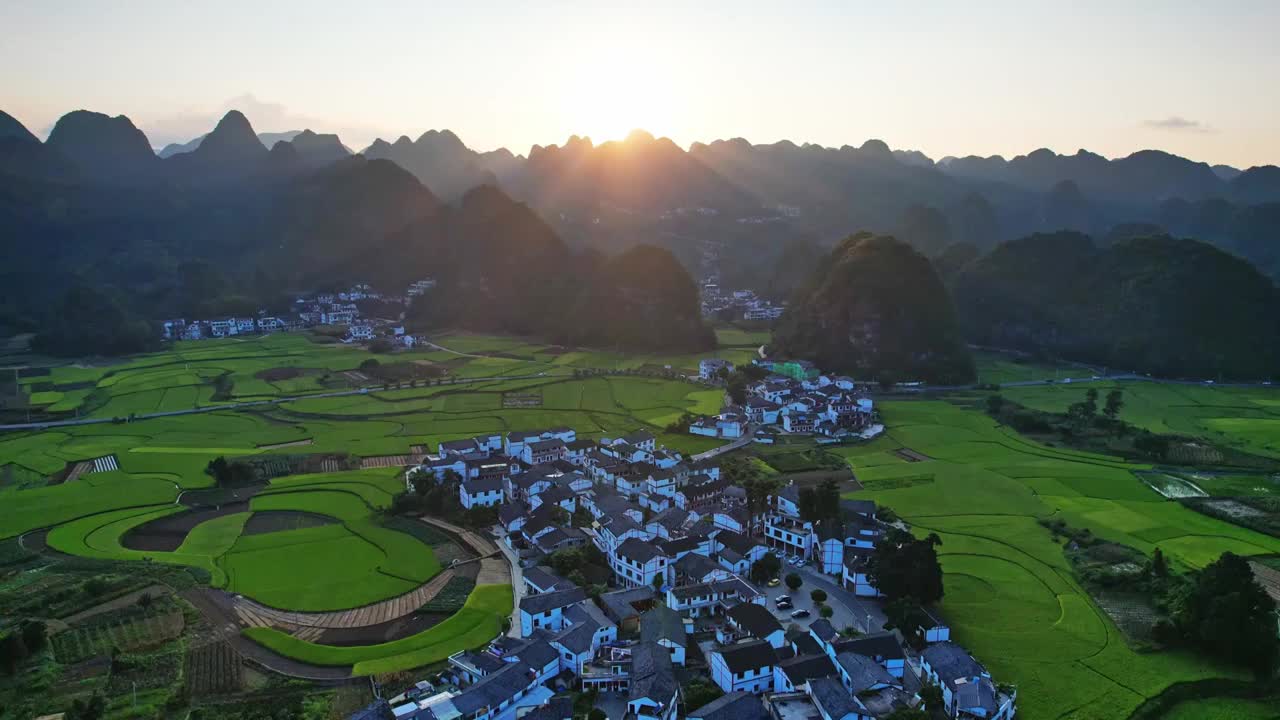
{"x":296,"y":546}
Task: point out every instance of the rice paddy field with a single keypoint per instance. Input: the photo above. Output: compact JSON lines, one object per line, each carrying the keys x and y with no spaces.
{"x":1011,"y":596}
{"x":96,"y":489}
{"x":1243,"y":418}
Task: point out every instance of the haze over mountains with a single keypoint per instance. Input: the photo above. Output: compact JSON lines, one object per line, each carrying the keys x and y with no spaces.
{"x":96,"y":206}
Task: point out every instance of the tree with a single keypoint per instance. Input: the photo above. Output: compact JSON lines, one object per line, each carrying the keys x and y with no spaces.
{"x":1226,"y":613}
{"x":657,"y":582}
{"x":1159,"y":566}
{"x":1152,"y":445}
{"x":932,"y":696}
{"x":698,"y":692}
{"x":1115,"y":401}
{"x":995,"y":403}
{"x":904,"y":567}
{"x":818,"y":596}
{"x":12,"y":652}
{"x":34,"y":635}
{"x":827,"y":611}
{"x":737,"y":389}
{"x":907,"y":714}
{"x":766,"y":568}
{"x":793,"y":581}
{"x":93,"y":709}
{"x":597,"y":714}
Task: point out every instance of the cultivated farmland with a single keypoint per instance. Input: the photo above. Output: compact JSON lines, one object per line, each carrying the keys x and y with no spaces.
{"x":1010,"y":592}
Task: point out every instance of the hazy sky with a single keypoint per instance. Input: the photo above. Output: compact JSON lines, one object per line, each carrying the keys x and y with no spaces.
{"x":1196,"y":78}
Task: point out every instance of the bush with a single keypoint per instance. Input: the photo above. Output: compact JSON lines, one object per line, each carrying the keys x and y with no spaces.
{"x":793,"y":581}
{"x":818,"y":596}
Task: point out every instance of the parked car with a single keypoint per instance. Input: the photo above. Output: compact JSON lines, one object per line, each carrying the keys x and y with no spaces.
{"x":782,"y":598}
{"x":784,"y":605}
{"x":774,"y":582}
{"x":800,"y":614}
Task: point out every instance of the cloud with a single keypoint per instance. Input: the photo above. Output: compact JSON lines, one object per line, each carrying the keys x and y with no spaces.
{"x":265,"y":116}
{"x":1177,"y":123}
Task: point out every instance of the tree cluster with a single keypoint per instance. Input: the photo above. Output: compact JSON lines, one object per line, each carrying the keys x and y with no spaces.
{"x":904,"y":567}
{"x":1224,"y":612}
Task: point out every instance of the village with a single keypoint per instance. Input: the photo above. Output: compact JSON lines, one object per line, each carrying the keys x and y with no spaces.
{"x":792,"y":397}
{"x":675,"y":583}
{"x":340,"y":309}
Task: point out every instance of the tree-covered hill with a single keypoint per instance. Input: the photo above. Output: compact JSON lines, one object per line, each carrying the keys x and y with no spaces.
{"x":876,"y":309}
{"x":1158,"y":305}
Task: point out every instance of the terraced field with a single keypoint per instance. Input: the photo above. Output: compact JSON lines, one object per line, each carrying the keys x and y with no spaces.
{"x":1010,"y":593}
{"x":312,"y":542}
{"x":1247,"y":419}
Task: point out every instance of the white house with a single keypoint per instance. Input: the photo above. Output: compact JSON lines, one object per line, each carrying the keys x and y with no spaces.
{"x":546,"y":611}
{"x":710,"y":368}
{"x":744,"y":667}
{"x":483,"y":491}
{"x":638,"y":562}
{"x":967,"y":689}
{"x":654,"y":692}
{"x":664,"y":626}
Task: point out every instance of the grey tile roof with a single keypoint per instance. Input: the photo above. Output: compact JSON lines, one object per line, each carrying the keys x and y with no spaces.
{"x":823,"y":629}
{"x":802,"y":668}
{"x":696,"y":566}
{"x":475,"y":486}
{"x":663,"y":623}
{"x":980,"y":694}
{"x":864,"y":673}
{"x":652,"y":675}
{"x":577,"y":639}
{"x":748,"y":656}
{"x":950,"y":661}
{"x":537,"y":654}
{"x":545,"y":580}
{"x":832,"y":697}
{"x":638,"y":551}
{"x":619,"y":604}
{"x":755,"y":619}
{"x":734,"y":706}
{"x":493,"y":690}
{"x":534,"y":604}
{"x":879,"y":647}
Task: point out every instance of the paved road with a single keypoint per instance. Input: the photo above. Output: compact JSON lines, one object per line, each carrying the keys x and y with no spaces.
{"x":253,"y":403}
{"x":740,"y":442}
{"x":867,"y":615}
{"x":517,"y":582}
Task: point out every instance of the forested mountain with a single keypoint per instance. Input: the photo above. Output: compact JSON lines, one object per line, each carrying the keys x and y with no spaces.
{"x":876,"y":309}
{"x":639,"y":174}
{"x":1155,"y":305}
{"x":230,"y":226}
{"x":439,"y":159}
{"x":639,"y":299}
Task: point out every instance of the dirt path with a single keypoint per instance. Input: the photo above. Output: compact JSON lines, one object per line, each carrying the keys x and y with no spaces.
{"x":123,"y":601}
{"x":911,"y":455}
{"x":215,"y":606}
{"x":494,"y":568}
{"x":255,"y":614}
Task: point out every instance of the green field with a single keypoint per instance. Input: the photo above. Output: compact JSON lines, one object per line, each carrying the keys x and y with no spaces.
{"x":1011,"y":596}
{"x":997,"y":369}
{"x":479,"y":621}
{"x":290,"y":569}
{"x":1246,"y":419}
{"x":1225,"y":709}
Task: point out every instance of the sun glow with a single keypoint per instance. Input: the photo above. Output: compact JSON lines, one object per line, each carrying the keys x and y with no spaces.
{"x":617,"y":93}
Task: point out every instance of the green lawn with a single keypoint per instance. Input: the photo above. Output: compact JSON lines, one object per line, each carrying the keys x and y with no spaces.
{"x":1225,"y":709}
{"x":1011,"y":596}
{"x":1247,"y":419}
{"x":478,"y":622}
{"x":737,"y":337}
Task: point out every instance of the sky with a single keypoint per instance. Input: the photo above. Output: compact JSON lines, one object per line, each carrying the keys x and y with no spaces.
{"x":947,"y":78}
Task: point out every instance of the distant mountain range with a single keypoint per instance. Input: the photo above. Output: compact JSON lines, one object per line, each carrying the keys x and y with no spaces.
{"x":95,"y":206}
{"x":104,"y":237}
